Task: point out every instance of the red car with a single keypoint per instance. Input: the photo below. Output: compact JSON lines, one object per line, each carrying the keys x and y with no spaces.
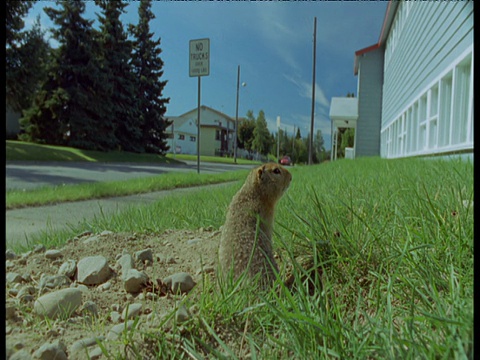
{"x":285,"y":160}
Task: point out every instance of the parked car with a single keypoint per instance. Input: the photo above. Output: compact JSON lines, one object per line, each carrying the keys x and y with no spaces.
{"x":285,"y":160}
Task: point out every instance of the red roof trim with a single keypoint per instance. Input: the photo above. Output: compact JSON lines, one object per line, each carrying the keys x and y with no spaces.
{"x":375,"y":46}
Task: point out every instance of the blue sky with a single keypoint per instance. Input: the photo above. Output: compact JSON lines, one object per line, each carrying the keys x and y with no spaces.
{"x":273,"y":44}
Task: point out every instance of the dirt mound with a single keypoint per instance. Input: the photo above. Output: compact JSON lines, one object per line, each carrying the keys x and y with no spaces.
{"x":33,"y":274}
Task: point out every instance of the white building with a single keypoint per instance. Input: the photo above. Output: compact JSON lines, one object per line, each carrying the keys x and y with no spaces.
{"x":216,"y":133}
{"x":415,"y":86}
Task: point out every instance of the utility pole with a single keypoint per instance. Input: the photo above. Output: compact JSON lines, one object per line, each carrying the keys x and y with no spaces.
{"x":310,"y":145}
{"x":236,"y":116}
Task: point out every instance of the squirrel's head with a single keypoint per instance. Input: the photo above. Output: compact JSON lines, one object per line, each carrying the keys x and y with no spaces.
{"x":273,"y":178}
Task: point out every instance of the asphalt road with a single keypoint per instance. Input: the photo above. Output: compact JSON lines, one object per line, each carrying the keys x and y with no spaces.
{"x":23,"y":225}
{"x":29,"y":175}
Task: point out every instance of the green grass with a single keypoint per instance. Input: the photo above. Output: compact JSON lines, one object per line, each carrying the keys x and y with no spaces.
{"x":65,"y":193}
{"x":214,"y":159}
{"x":23,"y":151}
{"x":394,"y":239}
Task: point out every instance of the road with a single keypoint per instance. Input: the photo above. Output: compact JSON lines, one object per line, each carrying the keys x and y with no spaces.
{"x":30,"y":175}
{"x":23,"y":225}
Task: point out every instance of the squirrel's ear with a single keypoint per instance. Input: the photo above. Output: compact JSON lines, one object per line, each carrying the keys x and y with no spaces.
{"x":260,"y":171}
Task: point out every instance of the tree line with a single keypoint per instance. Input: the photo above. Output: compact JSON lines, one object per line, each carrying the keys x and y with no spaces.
{"x":100,"y":89}
{"x":254,"y":136}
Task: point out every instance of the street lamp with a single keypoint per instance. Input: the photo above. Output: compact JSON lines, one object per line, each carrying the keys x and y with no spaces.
{"x":236,"y":114}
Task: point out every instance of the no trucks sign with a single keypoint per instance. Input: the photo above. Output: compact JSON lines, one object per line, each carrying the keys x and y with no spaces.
{"x":199,"y":57}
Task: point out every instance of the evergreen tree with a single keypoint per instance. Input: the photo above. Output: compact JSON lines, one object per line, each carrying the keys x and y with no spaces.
{"x":17,"y":60}
{"x":261,"y":135}
{"x":245,"y":132}
{"x":71,"y":107}
{"x":115,"y":58}
{"x":147,"y":68}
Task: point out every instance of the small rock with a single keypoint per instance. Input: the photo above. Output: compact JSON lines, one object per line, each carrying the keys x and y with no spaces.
{"x":53,"y":281}
{"x":10,"y":255}
{"x":10,"y":312}
{"x":50,"y":351}
{"x":126,"y":263}
{"x":144,"y":256}
{"x":58,"y":303}
{"x":106,"y":232}
{"x":89,"y":308}
{"x":26,"y":293}
{"x":53,"y":254}
{"x":21,"y":355}
{"x":93,"y":270}
{"x":9,"y":264}
{"x":193,"y":241}
{"x":134,"y":281}
{"x":105,"y":286}
{"x":68,"y":268}
{"x":39,"y":248}
{"x":77,"y":350}
{"x":91,"y":239}
{"x":115,"y":316}
{"x":131,"y":311}
{"x":14,"y":278}
{"x":180,"y":282}
{"x":182,"y":314}
{"x":117,"y":330}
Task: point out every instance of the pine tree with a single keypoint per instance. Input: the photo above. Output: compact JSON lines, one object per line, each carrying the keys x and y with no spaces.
{"x":70,"y":107}
{"x":147,"y":67}
{"x":116,"y":55}
{"x":261,"y":135}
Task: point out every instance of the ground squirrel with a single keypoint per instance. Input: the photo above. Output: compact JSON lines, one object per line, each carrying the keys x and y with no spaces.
{"x":243,"y":243}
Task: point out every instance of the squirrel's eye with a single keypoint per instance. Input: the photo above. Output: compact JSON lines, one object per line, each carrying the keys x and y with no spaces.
{"x":276,"y":171}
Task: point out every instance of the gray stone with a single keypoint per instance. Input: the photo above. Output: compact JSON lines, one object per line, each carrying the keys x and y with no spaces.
{"x":79,"y":348}
{"x":131,"y":311}
{"x":14,"y":278}
{"x":93,"y":270}
{"x":180,"y":282}
{"x":134,"y":281}
{"x":91,"y":239}
{"x":10,"y":255}
{"x":58,"y":303}
{"x":54,"y":281}
{"x":39,"y":248}
{"x":21,"y":355}
{"x":182,"y":314}
{"x":53,"y":254}
{"x":51,"y":351}
{"x":144,"y":256}
{"x":118,"y":329}
{"x":89,"y":308}
{"x":68,"y":268}
{"x":126,"y":263}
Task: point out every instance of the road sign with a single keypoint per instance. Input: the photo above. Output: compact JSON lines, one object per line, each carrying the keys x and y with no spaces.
{"x":199,"y":57}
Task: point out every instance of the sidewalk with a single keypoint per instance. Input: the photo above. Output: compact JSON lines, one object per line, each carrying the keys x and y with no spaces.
{"x":22,"y":224}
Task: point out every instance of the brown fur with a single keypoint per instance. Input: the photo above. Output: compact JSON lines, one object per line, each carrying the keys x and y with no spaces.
{"x":244,"y":244}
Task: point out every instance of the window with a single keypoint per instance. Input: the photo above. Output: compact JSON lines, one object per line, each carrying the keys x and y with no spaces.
{"x":193,"y":138}
{"x":461,"y":99}
{"x":422,"y":119}
{"x":444,"y":117}
{"x":217,"y":135}
{"x":181,"y":137}
{"x":433,"y":118}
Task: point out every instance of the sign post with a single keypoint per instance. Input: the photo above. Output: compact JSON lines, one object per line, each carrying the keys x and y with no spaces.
{"x":199,"y":58}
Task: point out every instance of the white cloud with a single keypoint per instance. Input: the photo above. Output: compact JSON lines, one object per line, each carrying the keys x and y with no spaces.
{"x":305,"y":90}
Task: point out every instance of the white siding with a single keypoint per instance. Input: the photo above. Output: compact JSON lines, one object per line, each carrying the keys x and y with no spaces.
{"x":428,"y":79}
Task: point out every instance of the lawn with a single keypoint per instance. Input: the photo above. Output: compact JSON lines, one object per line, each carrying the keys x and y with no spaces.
{"x":393,"y":240}
{"x":21,"y":151}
